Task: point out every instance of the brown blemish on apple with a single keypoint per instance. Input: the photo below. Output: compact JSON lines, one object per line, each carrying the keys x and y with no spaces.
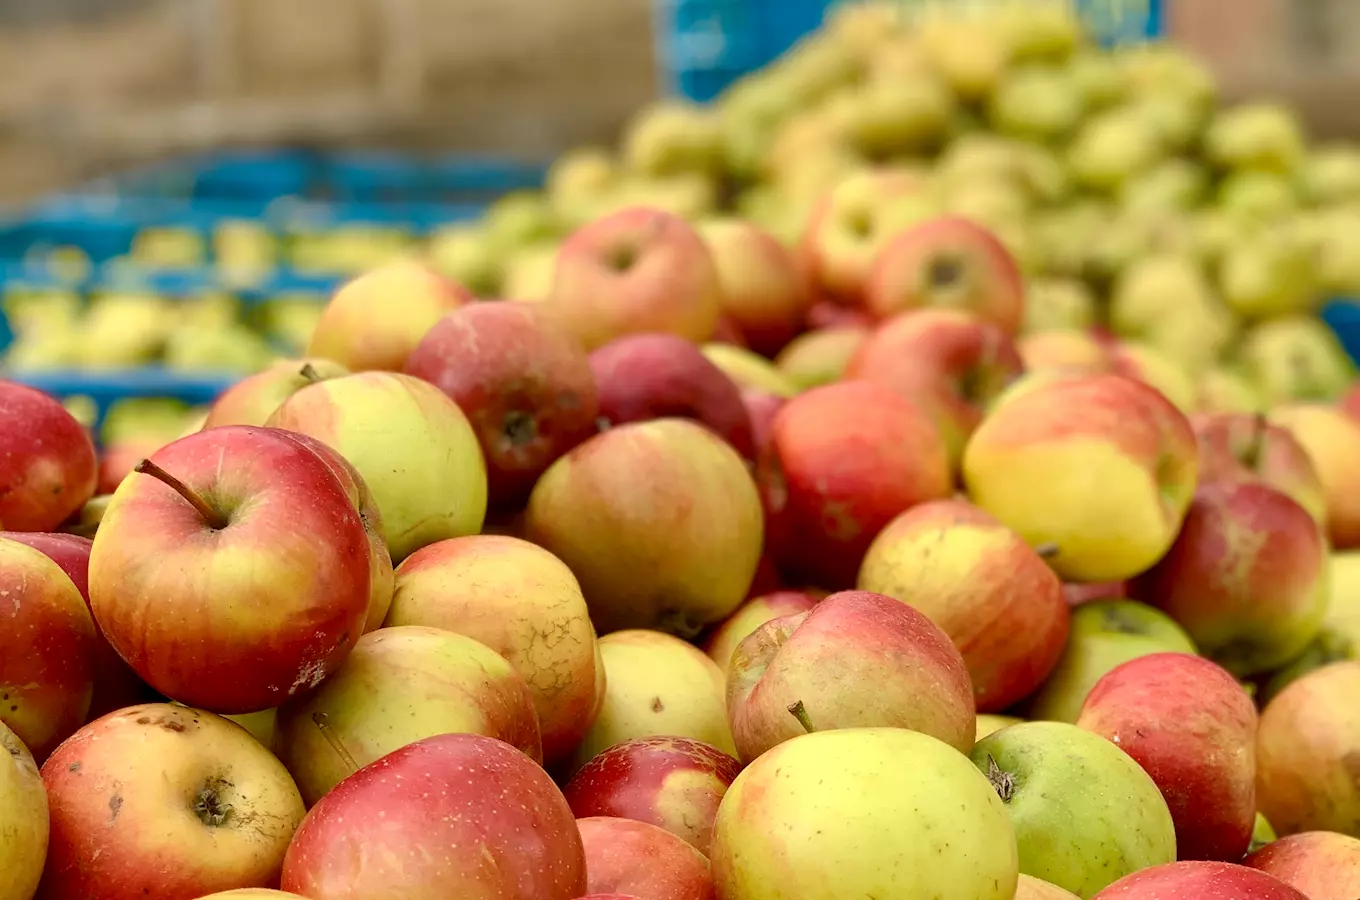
{"x":115,"y":806}
{"x":657,"y":705}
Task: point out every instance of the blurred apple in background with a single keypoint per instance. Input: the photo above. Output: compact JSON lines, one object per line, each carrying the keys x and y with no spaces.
{"x":761,"y":408}
{"x":730,"y":632}
{"x":47,"y":461}
{"x":624,"y":856}
{"x":762,"y":289}
{"x":1332,"y":441}
{"x":253,"y":399}
{"x":1202,"y":881}
{"x":1322,"y":864}
{"x":23,"y":806}
{"x":820,"y":356}
{"x":1063,"y":349}
{"x":748,"y":370}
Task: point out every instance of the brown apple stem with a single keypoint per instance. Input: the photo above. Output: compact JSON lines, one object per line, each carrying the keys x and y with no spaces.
{"x":214,"y":518}
{"x":323,"y":725}
{"x":1002,"y":782}
{"x":1251,"y":456}
{"x":1047,"y":550}
{"x":309,"y":372}
{"x":799,"y":712}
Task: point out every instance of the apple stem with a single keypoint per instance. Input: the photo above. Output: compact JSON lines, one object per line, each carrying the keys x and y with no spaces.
{"x":799,"y":712}
{"x":323,"y":725}
{"x":1251,"y":457}
{"x":214,"y":518}
{"x":309,"y":372}
{"x":1047,"y":550}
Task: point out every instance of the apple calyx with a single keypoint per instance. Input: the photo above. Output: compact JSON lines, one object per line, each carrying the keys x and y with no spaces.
{"x":323,"y":725}
{"x":1002,"y":782}
{"x":1047,"y":550}
{"x":799,"y":712}
{"x":309,"y":372}
{"x":209,"y":806}
{"x":679,"y":623}
{"x":214,"y":519}
{"x":519,"y":427}
{"x":944,"y":272}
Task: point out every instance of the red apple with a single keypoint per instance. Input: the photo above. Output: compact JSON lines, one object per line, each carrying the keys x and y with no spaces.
{"x":655,"y":376}
{"x":761,"y":408}
{"x":636,"y":270}
{"x":524,"y":384}
{"x":117,"y":461}
{"x":994,"y":597}
{"x":161,"y":800}
{"x":730,"y":632}
{"x":952,"y":364}
{"x":826,"y":314}
{"x":624,"y":856}
{"x":764,"y":291}
{"x":253,"y":399}
{"x":1237,"y":446}
{"x":1192,"y":727}
{"x":948,"y":262}
{"x":235,"y":572}
{"x":1078,"y":592}
{"x":856,"y":660}
{"x":454,"y":815}
{"x":1322,"y":864}
{"x":47,"y":461}
{"x":674,"y":783}
{"x":844,"y":460}
{"x":1199,"y":880}
{"x":727,"y":332}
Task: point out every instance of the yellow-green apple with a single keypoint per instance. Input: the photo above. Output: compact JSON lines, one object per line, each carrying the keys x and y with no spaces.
{"x":660,"y":521}
{"x":1200,"y":880}
{"x":256,"y":894}
{"x":763,"y":290}
{"x":990,"y":723}
{"x":233,"y":571}
{"x":655,"y":376}
{"x":1332,"y":441}
{"x":635,"y":270}
{"x":23,"y":809}
{"x":400,"y":685}
{"x":1099,"y":466}
{"x":656,"y":685}
{"x":1104,"y":634}
{"x":1192,"y":727}
{"x":48,"y":467}
{"x":1308,"y":753}
{"x":671,"y":782}
{"x":1225,"y":389}
{"x":48,"y":644}
{"x":761,"y":408}
{"x":115,"y":685}
{"x":1144,"y":362}
{"x":844,"y":460}
{"x":949,"y":362}
{"x":524,"y":384}
{"x":638,"y":859}
{"x":863,"y":812}
{"x":994,"y":597}
{"x":730,"y":632}
{"x":1322,"y":864}
{"x":1237,"y":446}
{"x":403,"y":435}
{"x":856,"y":660}
{"x":376,"y":320}
{"x":1036,"y":889}
{"x":1246,"y":577}
{"x":524,"y":603}
{"x":1085,"y":813}
{"x":453,"y":815}
{"x":949,"y":262}
{"x":1296,"y":358}
{"x":261,"y":725}
{"x":160,"y":800}
{"x":1063,"y":349}
{"x":253,"y":399}
{"x":749,"y":370}
{"x":820,"y":356}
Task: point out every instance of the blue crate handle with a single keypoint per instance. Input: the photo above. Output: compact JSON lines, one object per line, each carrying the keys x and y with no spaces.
{"x":107,"y":388}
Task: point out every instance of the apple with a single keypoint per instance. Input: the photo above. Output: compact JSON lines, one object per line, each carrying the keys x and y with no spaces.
{"x":1063,"y":349}
{"x":1192,"y":727}
{"x":399,"y":685}
{"x":403,"y":435}
{"x":820,"y":356}
{"x":233,"y":571}
{"x":253,"y":399}
{"x":48,"y":644}
{"x":990,"y":723}
{"x":656,"y":685}
{"x":524,"y":384}
{"x":825,"y":315}
{"x":1308,"y":751}
{"x":635,"y":270}
{"x":1104,"y":634}
{"x":1322,"y":864}
{"x":863,"y":812}
{"x":1079,"y":592}
{"x":1144,"y":362}
{"x":671,"y":782}
{"x":1036,"y":889}
{"x":23,"y":809}
{"x":951,"y":363}
{"x":660,"y":521}
{"x":117,"y":460}
{"x":47,"y":461}
{"x":162,"y":800}
{"x":748,"y":370}
{"x":624,"y":856}
{"x":844,"y":460}
{"x":524,"y":603}
{"x":654,"y":376}
{"x":375,"y":320}
{"x":994,"y":597}
{"x":1247,"y":577}
{"x":761,"y":408}
{"x":453,"y":815}
{"x":952,"y":263}
{"x":1350,"y":403}
{"x":1332,"y":441}
{"x":726,"y":332}
{"x":1236,"y":446}
{"x":730,"y":632}
{"x":1199,"y":880}
{"x":763,"y":291}
{"x":1085,"y":813}
{"x":251,"y":894}
{"x":1100,"y":466}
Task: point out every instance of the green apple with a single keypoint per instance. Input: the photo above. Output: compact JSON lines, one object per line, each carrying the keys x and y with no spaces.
{"x":1262,"y":833}
{"x":1056,"y":302}
{"x":1085,"y":813}
{"x":1296,"y":358}
{"x":1269,"y":274}
{"x":1260,"y":136}
{"x":1104,"y":634}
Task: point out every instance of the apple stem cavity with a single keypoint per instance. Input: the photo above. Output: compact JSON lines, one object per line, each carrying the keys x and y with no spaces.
{"x":1047,"y":550}
{"x":209,"y":806}
{"x":323,"y":725}
{"x":799,"y":712}
{"x":215,"y":519}
{"x":1002,"y":782}
{"x":309,"y":372}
